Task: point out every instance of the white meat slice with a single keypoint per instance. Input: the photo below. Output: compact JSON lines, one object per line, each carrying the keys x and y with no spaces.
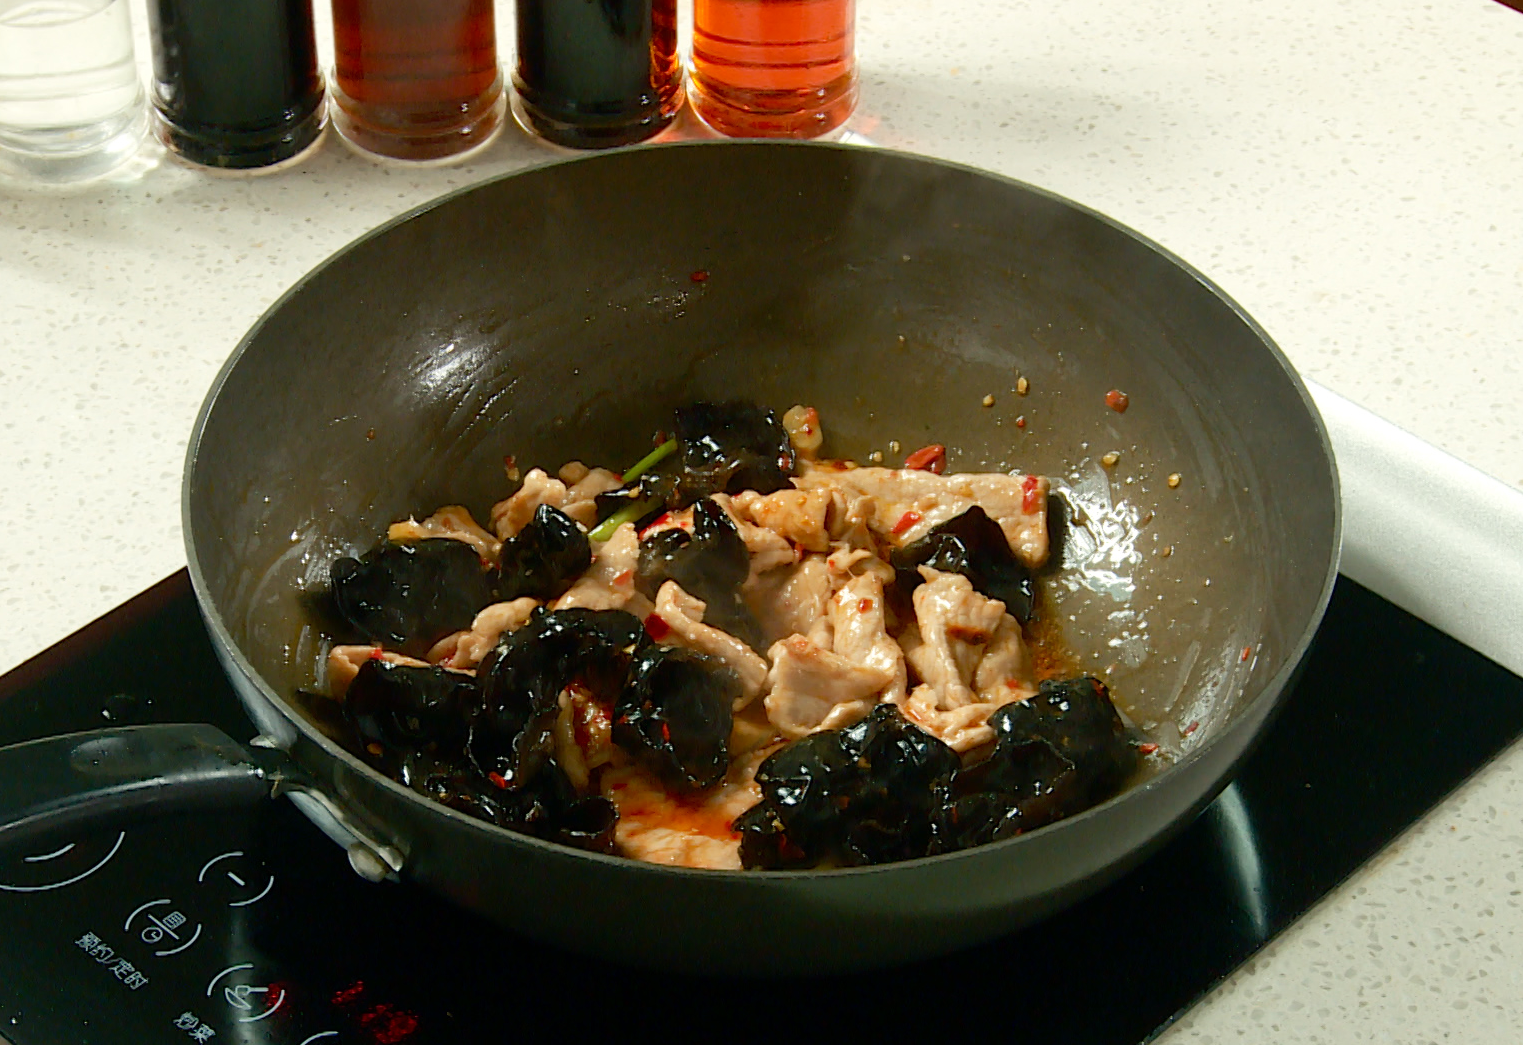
{"x":488,"y":627}
{"x":796,"y":515}
{"x":513,"y":514}
{"x":582,"y":735}
{"x":609,"y":583}
{"x":811,"y":688}
{"x":768,"y":550}
{"x":682,"y":830}
{"x":453,"y":521}
{"x":860,"y":634}
{"x":792,"y":601}
{"x":907,"y":503}
{"x":344,"y":662}
{"x":682,"y":616}
{"x":970,"y":658}
{"x":579,"y":503}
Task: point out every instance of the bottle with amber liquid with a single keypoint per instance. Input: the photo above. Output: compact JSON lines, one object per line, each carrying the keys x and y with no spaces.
{"x":596,"y":73}
{"x":774,"y":68}
{"x":416,"y":79}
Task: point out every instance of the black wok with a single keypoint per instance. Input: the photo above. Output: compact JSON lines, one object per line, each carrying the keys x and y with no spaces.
{"x":556,"y":313}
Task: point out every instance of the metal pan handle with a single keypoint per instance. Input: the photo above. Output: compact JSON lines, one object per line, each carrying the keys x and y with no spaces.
{"x":57,"y":782}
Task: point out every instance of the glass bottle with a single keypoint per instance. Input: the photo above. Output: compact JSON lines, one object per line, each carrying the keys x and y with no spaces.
{"x":416,"y":79}
{"x":71,"y":105}
{"x":235,"y":82}
{"x":597,"y":73}
{"x":774,"y":68}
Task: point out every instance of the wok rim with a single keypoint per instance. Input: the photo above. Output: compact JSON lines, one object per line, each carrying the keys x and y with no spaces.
{"x":212,"y":614}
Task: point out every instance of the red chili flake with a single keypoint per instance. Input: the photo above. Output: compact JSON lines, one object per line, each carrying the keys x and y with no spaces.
{"x":931,"y":459}
{"x":1247,"y":652}
{"x":1020,"y":422}
{"x":865,"y":606}
{"x":906,"y":520}
{"x":509,"y":461}
{"x":661,"y":520}
{"x":498,"y":780}
{"x":348,"y":994}
{"x":376,"y":653}
{"x":370,"y":433}
{"x":666,"y":732}
{"x":1116,"y":400}
{"x":1146,"y":749}
{"x":656,"y":627}
{"x":623,"y":577}
{"x":1031,"y":495}
{"x":1192,"y":727}
{"x":701,"y":276}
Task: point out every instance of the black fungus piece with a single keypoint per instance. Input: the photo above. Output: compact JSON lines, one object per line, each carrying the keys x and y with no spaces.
{"x":862,"y":795}
{"x":656,"y":490}
{"x":973,"y":545}
{"x":801,"y":782}
{"x":409,"y":596}
{"x":764,"y":842}
{"x":544,"y":558}
{"x":675,"y":715}
{"x":402,"y":706}
{"x":1077,"y":718}
{"x":888,"y":804}
{"x":522,"y":677}
{"x":711,"y":564}
{"x":729,"y":447}
{"x":1023,"y":784}
{"x":547,"y":808}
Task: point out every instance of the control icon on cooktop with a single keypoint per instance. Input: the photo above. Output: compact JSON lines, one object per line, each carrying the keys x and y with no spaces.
{"x":238,"y":878}
{"x":57,"y":866}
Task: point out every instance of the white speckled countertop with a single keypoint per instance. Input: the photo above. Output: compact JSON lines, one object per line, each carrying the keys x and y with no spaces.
{"x":1351,"y":172}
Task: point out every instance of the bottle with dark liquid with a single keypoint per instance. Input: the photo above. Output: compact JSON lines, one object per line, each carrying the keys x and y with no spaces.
{"x":416,"y":79}
{"x":593,"y":74}
{"x":235,"y":81}
{"x":774,"y":68}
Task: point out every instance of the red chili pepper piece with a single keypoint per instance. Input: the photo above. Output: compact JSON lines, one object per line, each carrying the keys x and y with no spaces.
{"x":1117,"y":400}
{"x":661,"y":520}
{"x":1031,"y":495}
{"x":498,"y":780}
{"x":931,"y":459}
{"x":1247,"y":652}
{"x":1192,"y":727}
{"x":376,"y":653}
{"x":701,"y":276}
{"x":864,"y":605}
{"x":1146,"y":749}
{"x":656,"y":627}
{"x":906,"y":520}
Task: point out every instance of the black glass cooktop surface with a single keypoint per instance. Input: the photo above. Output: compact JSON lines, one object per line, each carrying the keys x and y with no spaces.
{"x":250,"y":927}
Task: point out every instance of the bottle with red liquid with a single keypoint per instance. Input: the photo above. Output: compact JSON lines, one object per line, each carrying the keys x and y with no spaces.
{"x":596,"y":73}
{"x":774,"y":68}
{"x":416,"y":79}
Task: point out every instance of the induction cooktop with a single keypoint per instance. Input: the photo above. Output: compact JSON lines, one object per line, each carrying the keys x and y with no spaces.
{"x":250,"y":927}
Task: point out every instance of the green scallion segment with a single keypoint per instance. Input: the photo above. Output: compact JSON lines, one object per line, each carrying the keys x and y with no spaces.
{"x":650,"y":460}
{"x":629,"y":513}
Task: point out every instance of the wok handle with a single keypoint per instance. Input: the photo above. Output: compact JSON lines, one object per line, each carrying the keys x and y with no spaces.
{"x":58,"y":782}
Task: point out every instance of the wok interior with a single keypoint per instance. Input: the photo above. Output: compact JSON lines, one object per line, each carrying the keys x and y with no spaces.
{"x":553,"y":315}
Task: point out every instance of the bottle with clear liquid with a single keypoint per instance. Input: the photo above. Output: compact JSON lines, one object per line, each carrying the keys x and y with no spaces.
{"x":774,"y":68}
{"x":71,"y":105}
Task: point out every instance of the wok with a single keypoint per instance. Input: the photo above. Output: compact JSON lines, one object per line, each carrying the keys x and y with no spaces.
{"x":562,"y":312}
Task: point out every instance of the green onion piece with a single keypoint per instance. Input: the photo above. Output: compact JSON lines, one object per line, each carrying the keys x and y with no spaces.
{"x":650,"y":460}
{"x":629,"y":513}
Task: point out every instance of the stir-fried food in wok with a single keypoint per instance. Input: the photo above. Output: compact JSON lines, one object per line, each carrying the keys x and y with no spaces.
{"x":734,"y":654}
